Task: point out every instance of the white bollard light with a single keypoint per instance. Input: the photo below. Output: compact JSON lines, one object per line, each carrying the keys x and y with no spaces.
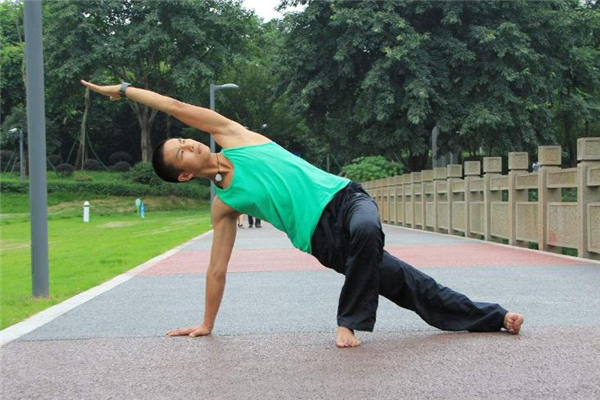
{"x":86,"y":211}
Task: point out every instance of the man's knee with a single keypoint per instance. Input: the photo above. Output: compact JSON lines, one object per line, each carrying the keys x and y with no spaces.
{"x":367,"y":230}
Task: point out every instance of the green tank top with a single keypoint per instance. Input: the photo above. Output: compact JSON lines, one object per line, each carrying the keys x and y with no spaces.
{"x":276,"y":186}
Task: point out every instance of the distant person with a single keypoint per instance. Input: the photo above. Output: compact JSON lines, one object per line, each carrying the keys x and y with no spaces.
{"x":343,"y":174}
{"x":252,"y":220}
{"x":327,"y":216}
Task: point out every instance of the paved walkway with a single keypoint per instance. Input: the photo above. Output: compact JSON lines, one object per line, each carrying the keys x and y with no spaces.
{"x":274,"y":337}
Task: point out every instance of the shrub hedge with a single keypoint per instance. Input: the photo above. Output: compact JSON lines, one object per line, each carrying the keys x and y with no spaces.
{"x":113,"y":189}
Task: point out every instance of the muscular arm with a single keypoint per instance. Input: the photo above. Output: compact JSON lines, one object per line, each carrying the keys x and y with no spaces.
{"x":226,"y":132}
{"x":220,"y":253}
{"x":224,"y":222}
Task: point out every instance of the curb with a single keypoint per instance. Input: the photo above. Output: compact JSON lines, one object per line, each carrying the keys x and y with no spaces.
{"x":43,"y":317}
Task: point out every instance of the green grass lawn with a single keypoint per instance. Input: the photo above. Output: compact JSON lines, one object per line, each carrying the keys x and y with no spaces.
{"x":85,"y":255}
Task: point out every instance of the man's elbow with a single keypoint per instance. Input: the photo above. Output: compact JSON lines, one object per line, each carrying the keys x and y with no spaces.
{"x":217,"y":275}
{"x":175,"y":107}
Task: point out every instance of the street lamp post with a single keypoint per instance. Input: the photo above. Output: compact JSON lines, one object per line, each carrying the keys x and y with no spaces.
{"x":213,"y":90}
{"x":13,"y":130}
{"x":36,"y":130}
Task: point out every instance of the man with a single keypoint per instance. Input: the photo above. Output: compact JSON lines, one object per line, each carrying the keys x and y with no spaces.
{"x":324,"y":215}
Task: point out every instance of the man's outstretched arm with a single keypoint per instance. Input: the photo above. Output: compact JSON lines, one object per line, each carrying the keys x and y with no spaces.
{"x":224,"y":222}
{"x":223,"y":129}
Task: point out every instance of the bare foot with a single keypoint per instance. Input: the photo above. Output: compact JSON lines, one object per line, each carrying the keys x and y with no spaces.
{"x":513,"y":322}
{"x":345,"y":338}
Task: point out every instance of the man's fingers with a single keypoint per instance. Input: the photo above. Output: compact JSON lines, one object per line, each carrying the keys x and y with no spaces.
{"x":180,"y":332}
{"x":88,"y":84}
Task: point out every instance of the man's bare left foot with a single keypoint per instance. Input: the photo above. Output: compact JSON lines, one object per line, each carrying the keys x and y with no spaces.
{"x":513,"y":322}
{"x":345,"y":338}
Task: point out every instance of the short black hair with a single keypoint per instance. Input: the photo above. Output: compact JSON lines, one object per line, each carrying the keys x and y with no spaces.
{"x":165,"y":171}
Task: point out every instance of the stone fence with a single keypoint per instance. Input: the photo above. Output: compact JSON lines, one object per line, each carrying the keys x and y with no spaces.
{"x":441,"y":200}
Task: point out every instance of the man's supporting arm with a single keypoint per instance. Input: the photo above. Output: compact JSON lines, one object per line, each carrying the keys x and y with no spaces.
{"x":224,"y":222}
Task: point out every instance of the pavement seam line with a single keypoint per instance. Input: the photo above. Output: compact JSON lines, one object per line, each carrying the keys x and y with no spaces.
{"x":481,"y":241}
{"x":43,"y":317}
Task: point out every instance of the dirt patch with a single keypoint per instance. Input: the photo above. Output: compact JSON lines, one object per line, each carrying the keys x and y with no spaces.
{"x":9,"y":244}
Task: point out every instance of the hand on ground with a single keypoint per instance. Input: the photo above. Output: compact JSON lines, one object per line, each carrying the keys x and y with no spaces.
{"x":192,"y":332}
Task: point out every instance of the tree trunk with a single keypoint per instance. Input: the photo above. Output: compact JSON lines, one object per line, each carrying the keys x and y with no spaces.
{"x":81,"y":150}
{"x":145,"y":116}
{"x":146,"y":143}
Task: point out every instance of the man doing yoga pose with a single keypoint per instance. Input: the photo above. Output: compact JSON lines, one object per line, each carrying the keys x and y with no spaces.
{"x":325,"y":215}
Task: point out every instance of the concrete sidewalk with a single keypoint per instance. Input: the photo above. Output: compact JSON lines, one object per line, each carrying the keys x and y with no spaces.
{"x":274,"y":337}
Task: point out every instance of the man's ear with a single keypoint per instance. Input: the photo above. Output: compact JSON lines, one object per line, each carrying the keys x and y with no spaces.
{"x":183,"y":177}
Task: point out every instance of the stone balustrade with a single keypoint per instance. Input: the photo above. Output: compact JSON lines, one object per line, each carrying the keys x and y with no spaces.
{"x":502,"y":208}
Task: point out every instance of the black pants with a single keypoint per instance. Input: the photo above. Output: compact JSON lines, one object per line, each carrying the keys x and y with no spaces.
{"x":349,"y":239}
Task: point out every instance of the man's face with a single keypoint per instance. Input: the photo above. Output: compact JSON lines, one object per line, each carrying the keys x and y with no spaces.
{"x":187,"y":155}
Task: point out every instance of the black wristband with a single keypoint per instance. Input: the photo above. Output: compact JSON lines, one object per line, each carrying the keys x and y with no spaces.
{"x":124,"y":86}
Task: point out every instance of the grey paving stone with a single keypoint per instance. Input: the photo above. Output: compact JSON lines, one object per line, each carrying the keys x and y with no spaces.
{"x":267,"y":302}
{"x":543,"y":363}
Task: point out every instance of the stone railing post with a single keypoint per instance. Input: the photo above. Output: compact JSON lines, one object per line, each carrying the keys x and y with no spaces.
{"x":392,"y":200}
{"x":518,"y":163}
{"x":454,"y":172}
{"x":549,"y":159}
{"x":408,"y":201}
{"x":588,"y":197}
{"x":385,"y":204}
{"x":378,"y":191}
{"x":398,"y":184}
{"x":472,"y":171}
{"x":417,"y":192}
{"x":492,"y":166}
{"x":428,"y":199}
{"x":439,"y":179}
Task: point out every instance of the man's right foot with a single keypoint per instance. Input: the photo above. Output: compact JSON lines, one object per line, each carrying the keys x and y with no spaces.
{"x":513,"y":322}
{"x":345,"y":338}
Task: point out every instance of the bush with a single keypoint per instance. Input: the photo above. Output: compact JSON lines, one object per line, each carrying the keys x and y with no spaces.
{"x":369,"y":168}
{"x":144,"y":173}
{"x":119,"y":156}
{"x":121,"y":166}
{"x":114,"y":189}
{"x":64,"y":170}
{"x":92,"y":165}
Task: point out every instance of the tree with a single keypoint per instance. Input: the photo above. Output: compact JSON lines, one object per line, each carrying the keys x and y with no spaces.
{"x":172,"y":47}
{"x":487,"y":74}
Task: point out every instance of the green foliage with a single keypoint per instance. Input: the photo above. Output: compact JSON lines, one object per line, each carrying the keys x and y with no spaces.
{"x":121,"y":166}
{"x":83,"y":178}
{"x":143,"y":173}
{"x":120,"y":156}
{"x":173,"y":47}
{"x":189,"y":190}
{"x":487,"y":74}
{"x":369,"y":168}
